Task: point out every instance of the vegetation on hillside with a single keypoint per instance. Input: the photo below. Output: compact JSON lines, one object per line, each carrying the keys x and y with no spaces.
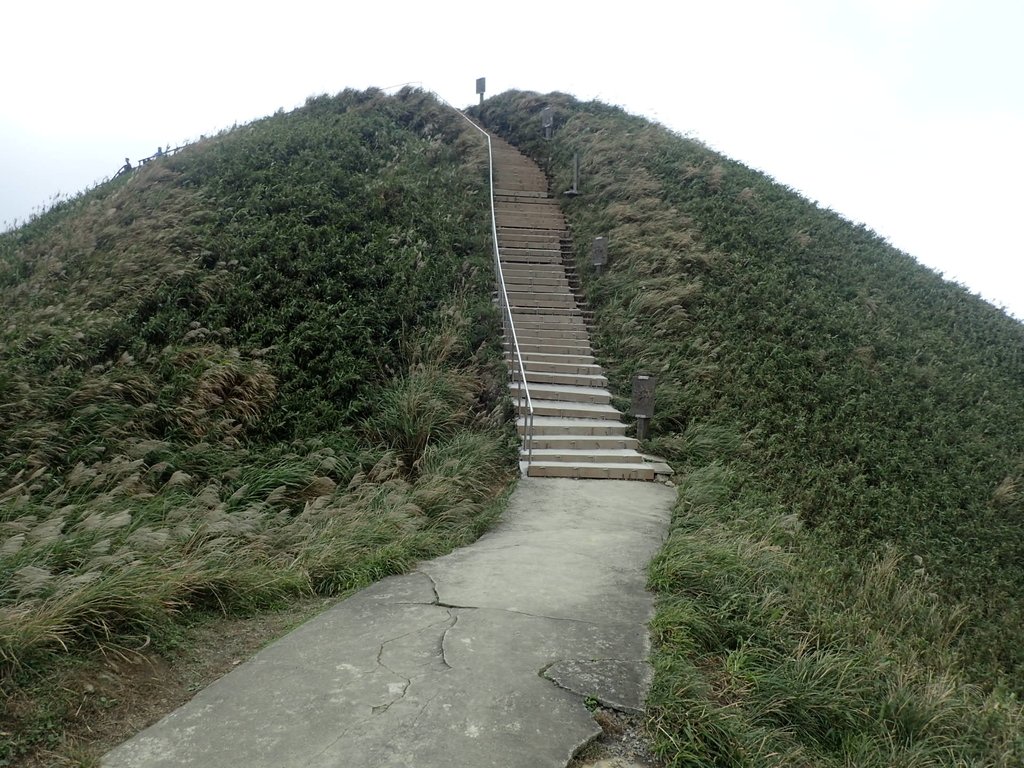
{"x":264,"y":367}
{"x":844,"y":579}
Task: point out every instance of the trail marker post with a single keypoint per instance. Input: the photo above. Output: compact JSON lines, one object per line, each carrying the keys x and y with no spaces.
{"x":481,"y":86}
{"x":547,"y":120}
{"x":599,"y":253}
{"x":643,"y":403}
{"x":575,"y":176}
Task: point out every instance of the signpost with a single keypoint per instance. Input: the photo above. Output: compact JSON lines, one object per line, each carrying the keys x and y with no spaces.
{"x":481,"y":86}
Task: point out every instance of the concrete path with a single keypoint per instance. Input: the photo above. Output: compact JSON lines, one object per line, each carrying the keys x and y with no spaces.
{"x":483,"y":657}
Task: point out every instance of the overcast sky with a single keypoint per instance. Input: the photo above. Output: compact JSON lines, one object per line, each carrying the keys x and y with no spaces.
{"x":906,"y":115}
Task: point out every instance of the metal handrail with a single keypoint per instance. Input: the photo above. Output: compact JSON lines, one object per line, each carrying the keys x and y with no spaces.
{"x":508,"y":326}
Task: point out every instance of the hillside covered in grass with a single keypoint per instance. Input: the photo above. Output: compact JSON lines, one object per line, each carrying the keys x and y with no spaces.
{"x":262,"y":368}
{"x":844,"y":581}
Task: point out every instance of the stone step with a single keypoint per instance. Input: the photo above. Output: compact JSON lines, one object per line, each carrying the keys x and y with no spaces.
{"x":572,"y":379}
{"x":542,"y":206}
{"x":542,"y":320}
{"x":528,"y":347}
{"x":529,"y":220}
{"x":528,"y":248}
{"x":590,"y":471}
{"x":519,"y":271}
{"x":565,"y":393}
{"x":516,"y":290}
{"x":552,"y":301}
{"x":527,"y":257}
{"x":551,"y":298}
{"x":588,"y":455}
{"x":512,"y":244}
{"x":521,"y":261}
{"x":517,"y":284}
{"x":534,"y":280}
{"x":542,"y":357}
{"x":541,"y":325}
{"x":531,"y":234}
{"x":565,"y":426}
{"x":547,"y":312}
{"x":573,"y":410}
{"x":529,"y":342}
{"x":532,"y":350}
{"x":583,"y":442}
{"x":519,"y":194}
{"x":566,"y":369}
{"x":533,"y":334}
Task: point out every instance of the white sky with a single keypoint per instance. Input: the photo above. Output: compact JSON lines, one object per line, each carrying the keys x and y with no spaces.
{"x":907,"y":115}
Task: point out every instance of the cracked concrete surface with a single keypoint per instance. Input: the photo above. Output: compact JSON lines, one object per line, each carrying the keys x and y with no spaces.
{"x":483,"y":657}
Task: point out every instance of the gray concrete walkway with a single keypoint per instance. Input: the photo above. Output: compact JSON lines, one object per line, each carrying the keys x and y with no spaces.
{"x":483,"y":657}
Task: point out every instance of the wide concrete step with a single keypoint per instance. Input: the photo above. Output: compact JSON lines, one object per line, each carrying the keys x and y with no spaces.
{"x":517,"y":251}
{"x":558,"y":426}
{"x":553,"y":235}
{"x":539,"y":268}
{"x":513,"y":270}
{"x":537,"y":358}
{"x":541,"y":324}
{"x":568,"y":379}
{"x":574,"y":348}
{"x":546,"y":311}
{"x":584,"y":442}
{"x":595,"y":471}
{"x":574,"y":410}
{"x":528,"y":345}
{"x":554,"y":335}
{"x":520,"y":302}
{"x":541,"y":320}
{"x":529,"y":258}
{"x":567,"y":393}
{"x":520,"y":181}
{"x":568,"y":369}
{"x":588,"y":455}
{"x":517,"y":291}
{"x":512,"y":285}
{"x":519,"y":194}
{"x":527,"y":279}
{"x":546,"y":205}
{"x":525,"y":219}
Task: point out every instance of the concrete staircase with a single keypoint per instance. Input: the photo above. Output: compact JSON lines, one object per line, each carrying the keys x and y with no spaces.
{"x":577,"y":433}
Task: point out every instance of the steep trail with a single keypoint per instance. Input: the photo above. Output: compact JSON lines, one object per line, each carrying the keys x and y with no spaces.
{"x":576,"y":431}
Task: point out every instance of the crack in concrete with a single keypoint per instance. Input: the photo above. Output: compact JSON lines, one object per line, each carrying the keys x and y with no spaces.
{"x":423,"y":709}
{"x":453,"y":606}
{"x":444,"y":635}
{"x":433,"y":586}
{"x":382,"y":708}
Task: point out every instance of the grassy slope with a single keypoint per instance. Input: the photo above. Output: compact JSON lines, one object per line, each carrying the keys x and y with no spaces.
{"x":263,"y":367}
{"x":847,"y":551}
